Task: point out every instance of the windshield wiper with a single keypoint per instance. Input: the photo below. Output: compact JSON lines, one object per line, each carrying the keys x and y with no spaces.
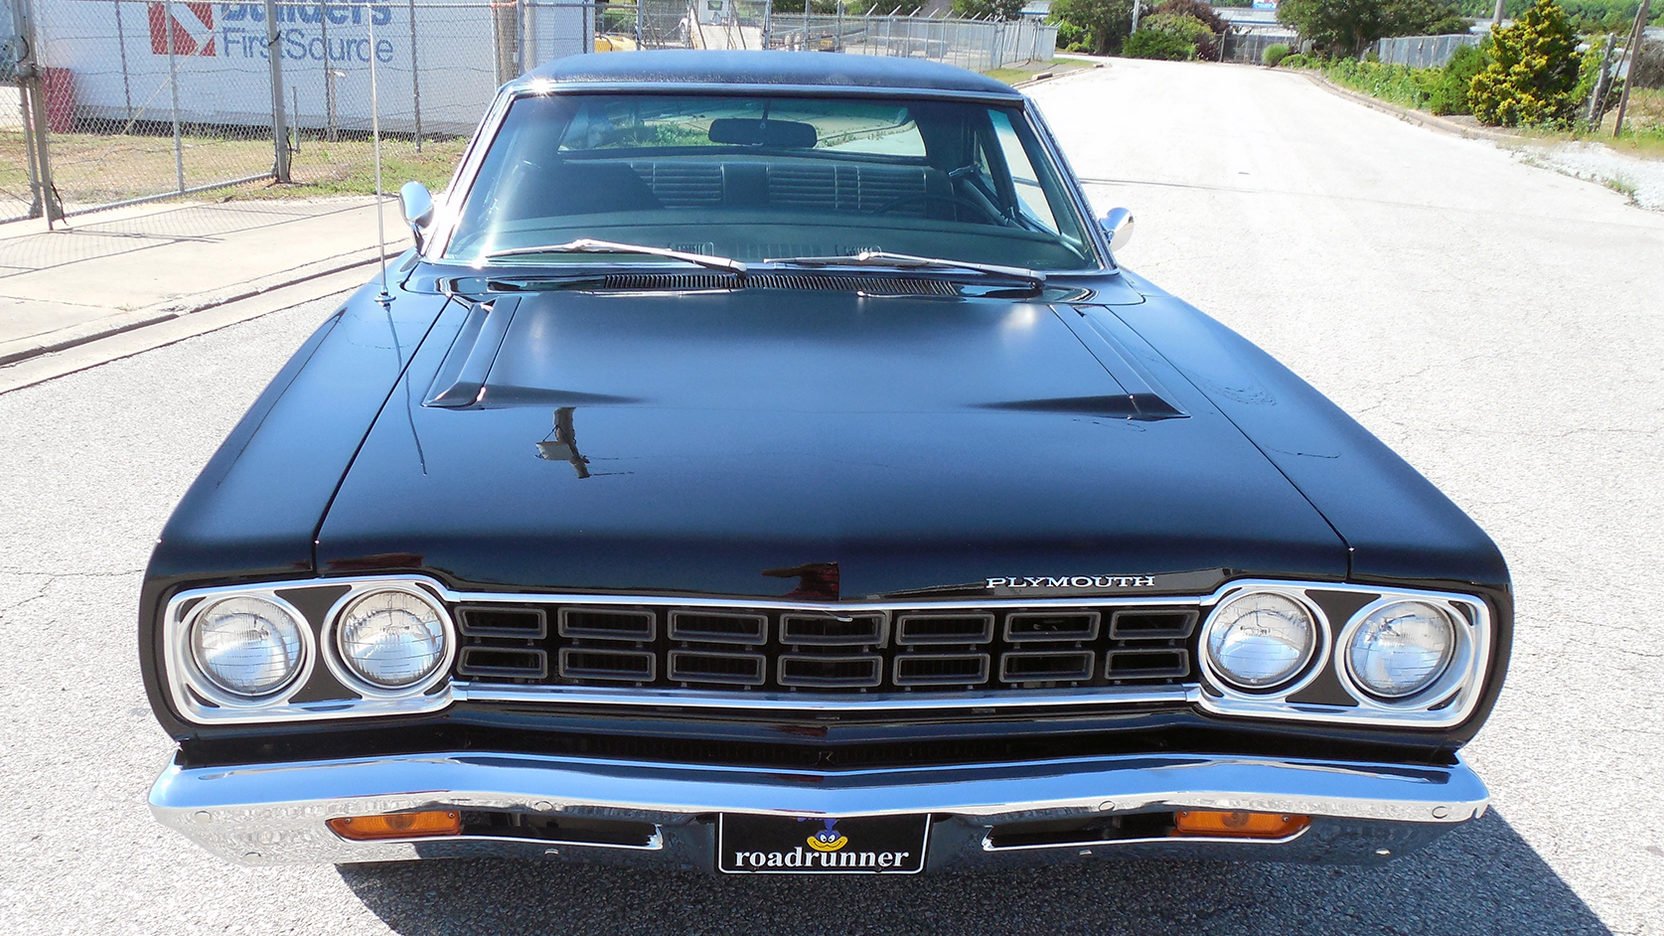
{"x":885,"y":258}
{"x":590,"y":245}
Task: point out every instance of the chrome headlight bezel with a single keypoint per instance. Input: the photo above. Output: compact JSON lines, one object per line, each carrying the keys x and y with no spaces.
{"x":182,"y":657}
{"x":311,"y":695}
{"x":1448,"y":702}
{"x":1448,"y":681}
{"x":335,"y":656}
{"x":1312,"y":662}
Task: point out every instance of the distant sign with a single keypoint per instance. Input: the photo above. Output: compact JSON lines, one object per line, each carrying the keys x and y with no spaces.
{"x":220,"y":53}
{"x":713,"y":12}
{"x":1265,"y":4}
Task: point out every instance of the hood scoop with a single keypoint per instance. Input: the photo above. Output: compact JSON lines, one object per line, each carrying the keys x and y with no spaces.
{"x":461,"y":376}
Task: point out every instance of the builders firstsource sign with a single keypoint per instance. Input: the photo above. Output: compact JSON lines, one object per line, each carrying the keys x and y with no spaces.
{"x":440,"y":59}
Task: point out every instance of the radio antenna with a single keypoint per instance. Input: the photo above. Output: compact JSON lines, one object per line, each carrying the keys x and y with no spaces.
{"x":375,"y":146}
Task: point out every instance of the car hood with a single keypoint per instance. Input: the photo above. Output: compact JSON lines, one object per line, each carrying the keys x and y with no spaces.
{"x":771,"y":442}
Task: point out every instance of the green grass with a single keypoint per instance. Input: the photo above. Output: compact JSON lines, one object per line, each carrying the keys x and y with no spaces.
{"x":1396,"y":84}
{"x":90,"y":169}
{"x":1027,"y":72}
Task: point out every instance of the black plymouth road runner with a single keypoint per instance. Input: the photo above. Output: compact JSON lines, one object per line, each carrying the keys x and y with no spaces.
{"x":761,"y":464}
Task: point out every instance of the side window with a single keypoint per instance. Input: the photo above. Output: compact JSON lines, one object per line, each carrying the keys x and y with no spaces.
{"x":1023,"y":177}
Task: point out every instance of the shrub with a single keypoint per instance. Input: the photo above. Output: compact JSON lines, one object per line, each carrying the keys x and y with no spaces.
{"x":1153,"y":44}
{"x":1531,"y":77}
{"x":1206,"y":46}
{"x":1297,"y":61}
{"x":1396,"y":83}
{"x":1190,"y":32}
{"x":1449,"y":93}
{"x":1274,"y":53}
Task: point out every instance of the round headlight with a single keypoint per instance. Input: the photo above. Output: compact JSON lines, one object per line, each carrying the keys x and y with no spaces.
{"x":1260,"y":640}
{"x":246,"y":646}
{"x":391,"y":639}
{"x":1401,"y":648}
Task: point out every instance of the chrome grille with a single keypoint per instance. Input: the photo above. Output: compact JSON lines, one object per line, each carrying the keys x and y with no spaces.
{"x":912,"y":650}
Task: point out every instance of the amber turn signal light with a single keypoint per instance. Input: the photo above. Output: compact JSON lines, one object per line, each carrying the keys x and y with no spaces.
{"x":398,"y":825}
{"x":1259,"y":825}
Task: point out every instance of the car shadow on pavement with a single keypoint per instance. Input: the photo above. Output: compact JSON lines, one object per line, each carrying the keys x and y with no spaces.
{"x":1482,"y":878}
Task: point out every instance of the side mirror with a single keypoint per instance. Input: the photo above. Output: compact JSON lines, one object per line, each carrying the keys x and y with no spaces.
{"x":417,"y":202}
{"x":1117,"y":225}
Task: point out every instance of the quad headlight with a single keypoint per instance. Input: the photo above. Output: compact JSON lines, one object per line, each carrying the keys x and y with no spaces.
{"x":1260,"y":641}
{"x":247,"y":647}
{"x":1400,"y":648}
{"x":392,"y":639}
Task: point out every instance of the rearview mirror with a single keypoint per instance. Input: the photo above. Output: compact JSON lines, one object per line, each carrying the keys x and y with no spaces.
{"x":417,"y":202}
{"x":744,"y":131}
{"x":1117,"y":225}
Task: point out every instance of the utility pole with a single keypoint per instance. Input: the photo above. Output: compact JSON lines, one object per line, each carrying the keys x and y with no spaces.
{"x":1636,"y":35}
{"x":1135,"y":6}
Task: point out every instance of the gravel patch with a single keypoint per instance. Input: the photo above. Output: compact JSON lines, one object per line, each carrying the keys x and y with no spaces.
{"x":1640,"y":180}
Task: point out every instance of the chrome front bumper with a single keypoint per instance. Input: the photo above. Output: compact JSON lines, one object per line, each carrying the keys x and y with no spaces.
{"x":276,"y":813}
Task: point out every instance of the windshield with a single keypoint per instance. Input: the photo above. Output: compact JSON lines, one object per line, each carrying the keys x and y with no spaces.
{"x":764,"y":177}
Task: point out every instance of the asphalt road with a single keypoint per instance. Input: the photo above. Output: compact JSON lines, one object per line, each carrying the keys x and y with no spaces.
{"x":1498,"y":324}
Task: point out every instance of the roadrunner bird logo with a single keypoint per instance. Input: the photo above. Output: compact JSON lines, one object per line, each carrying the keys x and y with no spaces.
{"x":828,"y":839}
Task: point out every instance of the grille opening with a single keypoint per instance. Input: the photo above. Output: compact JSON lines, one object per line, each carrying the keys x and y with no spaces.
{"x":827,"y":650}
{"x":728,"y":669}
{"x":1135,"y":625}
{"x":829,"y":629}
{"x":849,"y":672}
{"x":618,"y":665}
{"x":1145,"y":664}
{"x":1091,"y":831}
{"x":565,"y":829}
{"x":945,"y":628}
{"x":607,"y":623}
{"x":529,"y":623}
{"x":959,"y":669}
{"x":1075,"y":666}
{"x":1038,"y":625}
{"x":718,"y":627}
{"x":503,"y":662}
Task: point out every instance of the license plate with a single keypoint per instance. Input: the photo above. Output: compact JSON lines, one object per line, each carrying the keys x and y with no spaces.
{"x":785,"y":845}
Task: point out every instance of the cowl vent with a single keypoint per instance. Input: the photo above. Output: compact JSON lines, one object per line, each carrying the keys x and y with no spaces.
{"x":671,"y":282}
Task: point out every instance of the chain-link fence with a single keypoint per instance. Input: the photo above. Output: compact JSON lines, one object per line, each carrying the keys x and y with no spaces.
{"x":1247,"y":44}
{"x":127,"y":101}
{"x":1423,"y":51}
{"x":977,"y":44}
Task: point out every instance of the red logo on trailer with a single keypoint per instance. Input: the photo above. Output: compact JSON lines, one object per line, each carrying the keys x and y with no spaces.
{"x":192,"y":25}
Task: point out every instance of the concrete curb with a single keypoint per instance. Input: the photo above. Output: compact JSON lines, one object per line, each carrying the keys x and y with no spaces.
{"x":120,"y":322}
{"x":114,"y":347}
{"x":1411,"y":115}
{"x":1052,"y":76}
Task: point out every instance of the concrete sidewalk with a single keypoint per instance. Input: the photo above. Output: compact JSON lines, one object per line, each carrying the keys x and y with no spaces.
{"x":114,"y":271}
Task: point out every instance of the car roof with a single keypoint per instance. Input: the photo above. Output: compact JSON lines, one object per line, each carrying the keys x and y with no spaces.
{"x":668,"y":67}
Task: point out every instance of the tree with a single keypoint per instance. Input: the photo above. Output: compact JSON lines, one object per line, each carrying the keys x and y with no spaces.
{"x":1532,"y":73}
{"x":989,"y":9}
{"x":1349,"y":27}
{"x":1105,"y":22}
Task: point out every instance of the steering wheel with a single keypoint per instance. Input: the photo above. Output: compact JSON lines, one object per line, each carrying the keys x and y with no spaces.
{"x":955,"y":199}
